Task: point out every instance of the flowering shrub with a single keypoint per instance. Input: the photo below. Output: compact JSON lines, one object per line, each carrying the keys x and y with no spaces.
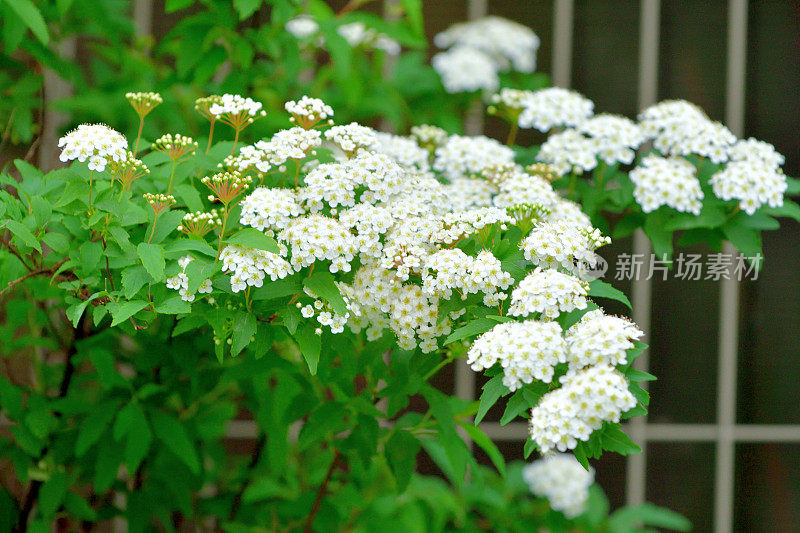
{"x":333,"y":271}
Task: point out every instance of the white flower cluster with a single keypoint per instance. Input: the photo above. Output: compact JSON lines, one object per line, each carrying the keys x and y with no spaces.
{"x":312,"y":109}
{"x":507,"y":44}
{"x":680,"y":128}
{"x":465,"y":69}
{"x":429,"y":136}
{"x":249,"y":266}
{"x":462,"y":156}
{"x":562,"y":480}
{"x":510,"y":98}
{"x":525,"y":350}
{"x":569,"y":151}
{"x":554,"y":107}
{"x":270,"y":209}
{"x":96,"y":143}
{"x":302,"y":26}
{"x":519,"y":187}
{"x":549,"y":292}
{"x":587,"y":398}
{"x":352,"y":137}
{"x":752,"y":176}
{"x":448,"y":270}
{"x":316,"y":237}
{"x":670,"y":181}
{"x":615,"y":137}
{"x":600,"y":339}
{"x":180,"y":281}
{"x":357,"y":34}
{"x":324,"y":314}
{"x":294,"y":143}
{"x":403,"y":150}
{"x":234,"y":104}
{"x":563,"y":244}
{"x":380,"y":303}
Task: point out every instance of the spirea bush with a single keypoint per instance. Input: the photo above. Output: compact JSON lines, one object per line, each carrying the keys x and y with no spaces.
{"x":157,"y":293}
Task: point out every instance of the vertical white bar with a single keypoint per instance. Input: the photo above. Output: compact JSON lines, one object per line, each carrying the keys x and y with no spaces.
{"x":143,"y":16}
{"x":641,"y":289}
{"x":724,"y":478}
{"x":473,"y":122}
{"x":563,"y":11}
{"x":54,"y":89}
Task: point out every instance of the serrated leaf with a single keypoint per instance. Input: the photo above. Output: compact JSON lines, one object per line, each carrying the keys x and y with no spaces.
{"x":120,"y":312}
{"x":32,"y":18}
{"x":601,"y":289}
{"x":152,"y":257}
{"x":310,"y":345}
{"x":492,"y":391}
{"x":324,"y":285}
{"x":174,"y":305}
{"x":94,"y":425}
{"x":52,"y":493}
{"x":254,"y":239}
{"x":172,"y":433}
{"x":473,"y":328}
{"x":615,"y":440}
{"x":133,"y":279}
{"x":481,"y":439}
{"x":21,"y":231}
{"x":244,"y":328}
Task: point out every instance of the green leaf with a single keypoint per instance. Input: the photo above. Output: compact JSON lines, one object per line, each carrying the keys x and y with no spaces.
{"x":486,"y":444}
{"x":172,"y":433}
{"x":324,"y":285}
{"x":254,"y":239}
{"x":174,"y":305}
{"x":32,"y":18}
{"x":198,"y":271}
{"x":246,"y":7}
{"x":747,"y":240}
{"x":11,"y":399}
{"x":190,"y":197}
{"x":310,"y":345}
{"x":788,"y":209}
{"x":244,"y":328}
{"x":492,"y":391}
{"x":133,"y":279}
{"x":792,"y":186}
{"x":401,"y":454}
{"x":262,"y":489}
{"x":646,"y":514}
{"x":152,"y":256}
{"x":175,"y":5}
{"x":20,"y":231}
{"x":615,"y":440}
{"x":276,"y":289}
{"x":107,"y":373}
{"x":52,"y":493}
{"x":124,"y":310}
{"x":475,"y":327}
{"x":601,"y":289}
{"x":180,"y":247}
{"x":94,"y":425}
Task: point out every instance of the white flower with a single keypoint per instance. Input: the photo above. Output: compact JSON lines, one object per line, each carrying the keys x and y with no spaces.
{"x":563,"y":244}
{"x":403,"y":150}
{"x":508,"y":44}
{"x":525,"y":350}
{"x":586,"y":399}
{"x":357,"y":33}
{"x":462,"y":156}
{"x":352,"y":137}
{"x":562,"y":480}
{"x":269,"y":208}
{"x":466,"y":69}
{"x":751,"y":182}
{"x":554,"y":107}
{"x":519,"y":187}
{"x":569,"y":151}
{"x":235,"y":104}
{"x":96,"y":143}
{"x":600,"y":339}
{"x":316,"y":237}
{"x":680,"y":128}
{"x":667,"y":181}
{"x":615,"y":138}
{"x":302,"y":26}
{"x":312,"y":109}
{"x":249,"y":266}
{"x":549,"y":292}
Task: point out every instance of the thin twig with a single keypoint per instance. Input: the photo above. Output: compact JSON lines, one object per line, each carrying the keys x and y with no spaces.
{"x":31,"y":274}
{"x":321,"y":492}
